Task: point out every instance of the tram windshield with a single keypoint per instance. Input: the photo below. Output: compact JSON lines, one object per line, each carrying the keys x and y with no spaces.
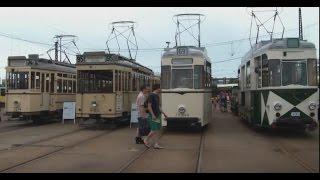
{"x":294,"y":73}
{"x":100,"y":81}
{"x":18,"y":80}
{"x":182,"y":78}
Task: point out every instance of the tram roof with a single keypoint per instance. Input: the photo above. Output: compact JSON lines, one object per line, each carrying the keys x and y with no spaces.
{"x":40,"y":63}
{"x":192,"y":51}
{"x":110,"y":59}
{"x":264,"y":46}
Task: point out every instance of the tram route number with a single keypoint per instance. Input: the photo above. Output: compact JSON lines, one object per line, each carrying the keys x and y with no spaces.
{"x":295,"y":114}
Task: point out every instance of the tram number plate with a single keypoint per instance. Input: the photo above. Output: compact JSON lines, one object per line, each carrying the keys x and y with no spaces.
{"x":295,"y":114}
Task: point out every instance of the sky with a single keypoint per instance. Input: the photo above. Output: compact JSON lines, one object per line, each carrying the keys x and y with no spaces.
{"x":154,"y":27}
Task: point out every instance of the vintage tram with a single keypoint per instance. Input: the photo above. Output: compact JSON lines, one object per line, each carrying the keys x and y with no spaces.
{"x":278,"y":84}
{"x":38,"y":87}
{"x":108,"y":84}
{"x":186,"y":86}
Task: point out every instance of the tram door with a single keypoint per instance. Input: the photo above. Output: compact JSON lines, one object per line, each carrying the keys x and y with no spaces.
{"x":256,"y":107}
{"x":45,"y":97}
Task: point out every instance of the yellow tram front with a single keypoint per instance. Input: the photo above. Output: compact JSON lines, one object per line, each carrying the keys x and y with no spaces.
{"x":186,"y":87}
{"x":38,"y":87}
{"x":108,"y":84}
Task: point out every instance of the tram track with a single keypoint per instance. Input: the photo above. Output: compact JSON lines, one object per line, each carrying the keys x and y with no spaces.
{"x":59,"y":148}
{"x":296,"y":158}
{"x":129,"y":163}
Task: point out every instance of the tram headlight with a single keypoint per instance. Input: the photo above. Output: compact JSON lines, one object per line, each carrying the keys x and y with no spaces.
{"x":312,"y":106}
{"x":94,"y":104}
{"x":277,"y":106}
{"x":182,"y":110}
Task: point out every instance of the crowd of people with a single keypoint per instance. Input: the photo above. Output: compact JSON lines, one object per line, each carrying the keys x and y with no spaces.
{"x":223,"y":100}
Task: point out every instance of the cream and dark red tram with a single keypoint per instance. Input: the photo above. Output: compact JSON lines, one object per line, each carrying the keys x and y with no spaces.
{"x":278,"y":84}
{"x":108,"y":84}
{"x":186,"y":86}
{"x":38,"y":87}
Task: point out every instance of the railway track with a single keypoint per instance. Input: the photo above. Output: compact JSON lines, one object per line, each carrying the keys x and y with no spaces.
{"x":124,"y":167}
{"x":59,"y":148}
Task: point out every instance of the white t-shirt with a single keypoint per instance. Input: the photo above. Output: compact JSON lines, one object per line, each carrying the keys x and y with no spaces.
{"x":140,"y":102}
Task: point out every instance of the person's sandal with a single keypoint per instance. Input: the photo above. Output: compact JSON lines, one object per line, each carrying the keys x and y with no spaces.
{"x":146,"y":144}
{"x":158,"y":147}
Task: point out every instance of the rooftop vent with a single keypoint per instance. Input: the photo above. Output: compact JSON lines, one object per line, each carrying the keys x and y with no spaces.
{"x":33,"y":56}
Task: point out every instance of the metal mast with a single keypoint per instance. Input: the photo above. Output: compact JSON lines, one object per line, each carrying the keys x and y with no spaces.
{"x":300,"y":25}
{"x":61,"y":47}
{"x":185,"y":24}
{"x":124,"y":29}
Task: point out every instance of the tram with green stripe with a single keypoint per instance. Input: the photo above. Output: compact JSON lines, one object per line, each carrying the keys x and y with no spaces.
{"x":278,"y":85}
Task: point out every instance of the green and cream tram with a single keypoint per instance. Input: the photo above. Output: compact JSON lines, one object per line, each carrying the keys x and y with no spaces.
{"x":108,"y":84}
{"x":186,"y":86}
{"x":278,"y":84}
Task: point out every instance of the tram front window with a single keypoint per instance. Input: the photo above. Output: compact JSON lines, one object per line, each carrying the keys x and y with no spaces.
{"x":18,"y":80}
{"x":100,"y":81}
{"x":294,"y":73}
{"x":182,"y":78}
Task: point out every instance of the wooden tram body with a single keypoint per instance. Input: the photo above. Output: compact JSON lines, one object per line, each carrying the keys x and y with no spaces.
{"x":108,"y":84}
{"x":37,"y":86}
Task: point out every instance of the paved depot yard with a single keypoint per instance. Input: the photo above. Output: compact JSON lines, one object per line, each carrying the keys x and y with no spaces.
{"x":228,"y":145}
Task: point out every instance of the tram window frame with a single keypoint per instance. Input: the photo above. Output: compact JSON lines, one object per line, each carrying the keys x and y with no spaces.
{"x":115,"y":80}
{"x":165,"y":77}
{"x":199,"y":80}
{"x":47,"y":82}
{"x":65,"y":75}
{"x":32,"y":76}
{"x":18,"y":80}
{"x":265,"y":70}
{"x":2,"y":92}
{"x":95,"y":81}
{"x":274,"y":78}
{"x":59,"y":85}
{"x":248,"y":74}
{"x":42,"y":82}
{"x":74,"y":86}
{"x":312,"y":70}
{"x":52,"y":83}
{"x":59,"y":74}
{"x":37,"y":80}
{"x":69,"y":86}
{"x":64,"y":86}
{"x":129,"y":81}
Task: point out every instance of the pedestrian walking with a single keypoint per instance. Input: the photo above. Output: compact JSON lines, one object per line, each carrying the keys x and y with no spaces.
{"x":154,"y":117}
{"x":143,"y":128}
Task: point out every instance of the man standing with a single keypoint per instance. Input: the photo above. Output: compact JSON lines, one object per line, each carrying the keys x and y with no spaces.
{"x":142,"y":115}
{"x":154,"y":116}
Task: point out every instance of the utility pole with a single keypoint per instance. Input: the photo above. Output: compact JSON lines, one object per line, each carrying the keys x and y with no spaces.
{"x":300,"y":25}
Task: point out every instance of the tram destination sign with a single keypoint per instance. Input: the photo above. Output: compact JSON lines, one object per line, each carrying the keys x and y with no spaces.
{"x":182,"y":51}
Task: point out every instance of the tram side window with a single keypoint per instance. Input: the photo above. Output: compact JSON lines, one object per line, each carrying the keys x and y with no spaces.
{"x":52,"y":83}
{"x":47,"y":82}
{"x":312,"y":72}
{"x":134,"y":86}
{"x":37,"y":80}
{"x":74,"y":86}
{"x":165,"y":77}
{"x":42,"y":82}
{"x":198,"y":77}
{"x":129,"y":81}
{"x":59,"y":85}
{"x":69,"y":86}
{"x":32,"y":80}
{"x":65,"y":88}
{"x":18,"y":80}
{"x":265,"y":74}
{"x":274,"y":72}
{"x":116,"y":81}
{"x":248,"y":75}
{"x":95,"y":81}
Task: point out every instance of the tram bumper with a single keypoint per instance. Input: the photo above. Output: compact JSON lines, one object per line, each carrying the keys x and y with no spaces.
{"x":178,"y":122}
{"x":295,"y":123}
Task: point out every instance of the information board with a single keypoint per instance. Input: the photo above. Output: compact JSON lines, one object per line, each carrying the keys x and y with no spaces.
{"x":134,"y":114}
{"x":69,"y":111}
